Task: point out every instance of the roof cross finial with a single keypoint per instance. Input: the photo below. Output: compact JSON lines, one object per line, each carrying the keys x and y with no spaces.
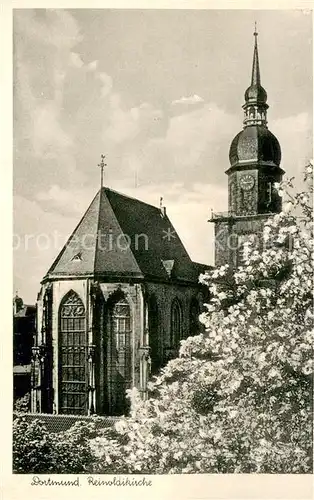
{"x":102,"y":164}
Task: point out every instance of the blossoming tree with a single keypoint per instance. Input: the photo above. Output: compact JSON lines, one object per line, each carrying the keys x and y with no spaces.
{"x":239,"y":397}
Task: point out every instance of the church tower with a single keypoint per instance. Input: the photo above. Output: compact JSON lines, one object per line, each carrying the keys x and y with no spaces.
{"x":254,"y":157}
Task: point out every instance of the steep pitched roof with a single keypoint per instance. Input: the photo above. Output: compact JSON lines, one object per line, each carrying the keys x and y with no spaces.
{"x":122,"y":237}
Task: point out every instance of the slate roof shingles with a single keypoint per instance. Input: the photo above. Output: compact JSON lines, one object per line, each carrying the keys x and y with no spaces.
{"x":108,"y":254}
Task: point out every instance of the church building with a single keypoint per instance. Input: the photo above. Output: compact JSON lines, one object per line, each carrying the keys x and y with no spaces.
{"x":123,"y":291}
{"x":254,"y":169}
{"x":112,"y":308}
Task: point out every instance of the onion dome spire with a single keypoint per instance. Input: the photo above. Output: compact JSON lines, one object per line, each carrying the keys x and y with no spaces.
{"x":255,"y":143}
{"x":255,"y":106}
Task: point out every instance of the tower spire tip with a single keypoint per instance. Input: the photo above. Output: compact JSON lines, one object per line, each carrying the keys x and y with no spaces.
{"x":255,"y":30}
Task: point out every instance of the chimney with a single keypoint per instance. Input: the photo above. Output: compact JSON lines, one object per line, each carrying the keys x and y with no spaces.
{"x":162,"y":208}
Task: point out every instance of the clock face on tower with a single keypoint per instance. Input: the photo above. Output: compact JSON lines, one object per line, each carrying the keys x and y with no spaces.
{"x":247,"y":182}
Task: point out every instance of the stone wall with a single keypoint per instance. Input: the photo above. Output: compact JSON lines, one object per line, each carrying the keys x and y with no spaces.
{"x":228,"y":235}
{"x":138,"y":295}
{"x":165,"y":295}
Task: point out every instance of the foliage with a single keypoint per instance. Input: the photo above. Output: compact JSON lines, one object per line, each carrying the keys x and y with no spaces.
{"x":35,"y":450}
{"x":239,"y":397}
{"x":22,"y":405}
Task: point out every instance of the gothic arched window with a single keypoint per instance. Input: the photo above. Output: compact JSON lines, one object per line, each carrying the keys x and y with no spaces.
{"x":194,"y":314}
{"x":47,"y":383}
{"x":120,"y":373}
{"x":73,"y":386}
{"x":176,"y":324}
{"x":153,"y":331}
{"x":121,"y":327}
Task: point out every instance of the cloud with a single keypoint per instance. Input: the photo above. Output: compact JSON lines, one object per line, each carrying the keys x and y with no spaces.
{"x":76,"y":60}
{"x":106,"y":82}
{"x":142,"y":141}
{"x":192,"y":99}
{"x":68,"y":201}
{"x":92,"y":66}
{"x":191,"y":141}
{"x":198,"y":139}
{"x":160,"y":148}
{"x":40,"y":122}
{"x":68,"y":111}
{"x":40,"y":131}
{"x":126,"y":125}
{"x":194,"y":140}
{"x":37,"y":240}
{"x":189,"y":211}
{"x":48,"y":136}
{"x":55,"y":27}
{"x":297,"y":151}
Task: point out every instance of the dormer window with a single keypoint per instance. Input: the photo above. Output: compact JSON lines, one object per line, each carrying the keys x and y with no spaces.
{"x":77,"y":257}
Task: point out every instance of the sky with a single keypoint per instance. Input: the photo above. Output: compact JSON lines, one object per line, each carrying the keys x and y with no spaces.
{"x":160,"y":92}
